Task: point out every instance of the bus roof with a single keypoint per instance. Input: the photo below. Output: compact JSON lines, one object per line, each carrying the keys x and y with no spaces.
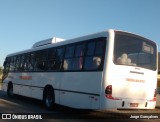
{"x":61,"y":43}
{"x":70,"y":41}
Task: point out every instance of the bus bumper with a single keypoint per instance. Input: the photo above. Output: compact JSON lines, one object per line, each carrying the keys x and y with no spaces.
{"x":135,"y":104}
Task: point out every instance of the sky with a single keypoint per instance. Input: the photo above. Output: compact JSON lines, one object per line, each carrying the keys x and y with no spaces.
{"x":24,"y":22}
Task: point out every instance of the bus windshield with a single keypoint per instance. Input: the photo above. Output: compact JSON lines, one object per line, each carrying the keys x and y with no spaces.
{"x":131,"y":50}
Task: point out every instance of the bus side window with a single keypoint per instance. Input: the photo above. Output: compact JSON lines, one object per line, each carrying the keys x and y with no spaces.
{"x":55,"y":57}
{"x":95,"y":54}
{"x":27,"y":62}
{"x":11,"y":68}
{"x":13,"y":63}
{"x":6,"y":68}
{"x":59,"y":58}
{"x":22,"y":62}
{"x":90,"y":48}
{"x":96,"y":62}
{"x":74,"y":57}
{"x":17,"y":63}
{"x":52,"y":54}
{"x":32,"y":62}
{"x":41,"y":60}
{"x":6,"y":65}
{"x":79,"y":55}
{"x":88,"y":64}
{"x":68,"y":61}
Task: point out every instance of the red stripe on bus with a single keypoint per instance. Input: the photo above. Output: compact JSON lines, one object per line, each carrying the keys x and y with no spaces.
{"x":25,"y":77}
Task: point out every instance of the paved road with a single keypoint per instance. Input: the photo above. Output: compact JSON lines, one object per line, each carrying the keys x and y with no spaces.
{"x":26,"y":107}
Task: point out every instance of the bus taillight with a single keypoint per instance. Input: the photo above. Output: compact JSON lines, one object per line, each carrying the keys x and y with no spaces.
{"x":154,"y":97}
{"x":108,"y":90}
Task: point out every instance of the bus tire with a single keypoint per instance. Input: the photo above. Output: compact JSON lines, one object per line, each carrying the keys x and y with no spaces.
{"x":49,"y":98}
{"x":10,"y":90}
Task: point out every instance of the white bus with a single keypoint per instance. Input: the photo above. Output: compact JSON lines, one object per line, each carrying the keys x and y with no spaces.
{"x":106,"y":70}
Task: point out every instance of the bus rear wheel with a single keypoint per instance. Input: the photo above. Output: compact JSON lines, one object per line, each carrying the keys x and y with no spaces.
{"x":49,"y":98}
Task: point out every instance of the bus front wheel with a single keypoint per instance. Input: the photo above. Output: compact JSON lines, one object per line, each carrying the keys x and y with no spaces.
{"x":49,"y":98}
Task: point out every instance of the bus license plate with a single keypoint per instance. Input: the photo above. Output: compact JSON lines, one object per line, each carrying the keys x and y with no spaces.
{"x":133,"y":104}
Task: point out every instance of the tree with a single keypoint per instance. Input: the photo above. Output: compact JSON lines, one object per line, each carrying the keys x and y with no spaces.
{"x":1,"y":70}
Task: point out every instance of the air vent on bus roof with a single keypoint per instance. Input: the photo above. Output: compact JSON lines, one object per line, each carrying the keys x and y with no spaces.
{"x":47,"y":42}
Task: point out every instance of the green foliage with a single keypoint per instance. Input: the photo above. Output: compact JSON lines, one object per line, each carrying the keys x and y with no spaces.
{"x":1,"y":70}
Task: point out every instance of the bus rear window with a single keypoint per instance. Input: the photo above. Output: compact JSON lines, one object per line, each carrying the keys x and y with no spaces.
{"x":134,"y":51}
